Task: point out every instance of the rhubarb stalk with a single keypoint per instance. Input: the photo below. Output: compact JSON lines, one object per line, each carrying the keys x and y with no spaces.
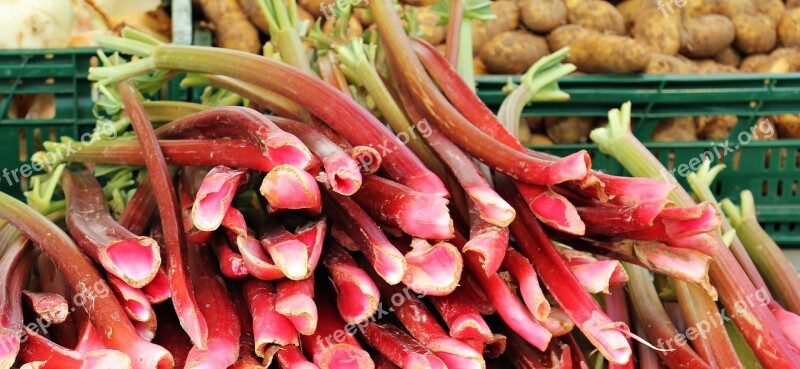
{"x":231,"y":263}
{"x":269,"y":327}
{"x":529,"y":288}
{"x":289,"y":187}
{"x":462,"y":317}
{"x":289,"y":254}
{"x":134,"y":301}
{"x":357,"y":295}
{"x":400,"y":348}
{"x":295,"y":301}
{"x":256,"y":260}
{"x":214,"y":197}
{"x":52,"y":307}
{"x":290,"y":357}
{"x":42,"y":353}
{"x":16,"y":262}
{"x":433,"y":270}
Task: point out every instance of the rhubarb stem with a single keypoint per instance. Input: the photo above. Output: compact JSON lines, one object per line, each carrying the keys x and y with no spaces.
{"x":52,"y":307}
{"x":357,"y":295}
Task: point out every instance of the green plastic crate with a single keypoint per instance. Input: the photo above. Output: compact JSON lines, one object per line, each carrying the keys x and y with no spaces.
{"x":770,"y":169}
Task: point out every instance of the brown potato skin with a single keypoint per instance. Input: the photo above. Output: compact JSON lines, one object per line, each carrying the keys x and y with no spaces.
{"x":699,"y":8}
{"x":508,"y":18}
{"x":788,"y":125}
{"x":666,"y":64}
{"x":789,"y":28}
{"x":599,"y":53}
{"x":253,"y":12}
{"x":706,"y":36}
{"x":542,"y":16}
{"x":732,"y":8}
{"x":659,"y":33}
{"x":706,"y":66}
{"x":431,"y":32}
{"x":675,"y":129}
{"x":232,"y":28}
{"x":715,"y":128}
{"x":753,"y":63}
{"x":513,"y":52}
{"x":599,"y":16}
{"x":354,"y":27}
{"x":774,"y":9}
{"x":729,"y":56}
{"x":564,"y":130}
{"x":755,"y":33}
{"x":566,"y":35}
{"x":314,"y":6}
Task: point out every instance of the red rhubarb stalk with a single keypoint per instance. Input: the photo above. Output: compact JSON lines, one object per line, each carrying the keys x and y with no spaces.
{"x":52,"y":307}
{"x":607,"y":336}
{"x":418,"y":214}
{"x":214,"y":300}
{"x":134,"y":259}
{"x":613,"y":220}
{"x":330,"y":346}
{"x":256,"y":260}
{"x":475,"y":292}
{"x":289,"y":187}
{"x":523,"y":356}
{"x":147,"y":329}
{"x":462,"y":317}
{"x":353,"y":122}
{"x":170,"y":335}
{"x":367,"y":157}
{"x":616,"y":304}
{"x":105,"y":312}
{"x":433,"y":270}
{"x":231,"y":263}
{"x":247,"y":351}
{"x":290,"y":357}
{"x":341,"y":170}
{"x":134,"y":301}
{"x":157,"y":291}
{"x":189,"y":181}
{"x":214,"y":197}
{"x":269,"y":326}
{"x":312,"y":234}
{"x":189,"y":315}
{"x":385,"y":259}
{"x":357,"y":295}
{"x":557,"y":322}
{"x":522,"y":270}
{"x":89,"y":340}
{"x":275,"y":103}
{"x":295,"y":301}
{"x":288,"y":253}
{"x":594,"y":275}
{"x":400,"y":348}
{"x":17,"y":260}
{"x":53,"y":281}
{"x":633,"y":190}
{"x":140,"y":208}
{"x":45,"y":354}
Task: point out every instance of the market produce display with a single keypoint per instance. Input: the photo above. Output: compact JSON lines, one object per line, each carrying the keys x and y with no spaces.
{"x":340,"y":197}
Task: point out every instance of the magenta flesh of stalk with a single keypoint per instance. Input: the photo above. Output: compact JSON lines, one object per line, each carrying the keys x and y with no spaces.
{"x":462,"y":317}
{"x":287,"y":252}
{"x":269,"y":326}
{"x":290,"y":357}
{"x":134,"y":301}
{"x":214,"y":197}
{"x":157,"y":291}
{"x":256,"y":260}
{"x":52,"y":307}
{"x":134,"y":259}
{"x":231,"y":263}
{"x":433,"y":270}
{"x":295,"y":301}
{"x":357,"y":295}
{"x":312,"y":234}
{"x":289,"y":187}
{"x":488,"y":241}
{"x":522,"y":270}
{"x":595,"y":277}
{"x":45,"y":354}
{"x":418,"y":214}
{"x":633,"y":190}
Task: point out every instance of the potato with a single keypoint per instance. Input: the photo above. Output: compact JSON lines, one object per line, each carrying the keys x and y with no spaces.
{"x":539,"y":139}
{"x":315,"y":7}
{"x":789,"y":28}
{"x":599,"y":16}
{"x":253,"y":11}
{"x":478,"y":68}
{"x":565,"y":130}
{"x":754,"y":62}
{"x":666,"y":64}
{"x":659,"y":33}
{"x":363,"y":15}
{"x":732,"y":8}
{"x":600,"y":53}
{"x":755,"y":34}
{"x":417,"y":2}
{"x":729,"y":56}
{"x":523,"y":132}
{"x":765,"y":130}
{"x":710,"y":66}
{"x":354,"y":27}
{"x":543,"y":16}
{"x":788,"y":125}
{"x":536,"y":124}
{"x":513,"y":52}
{"x":706,"y":36}
{"x":715,"y":128}
{"x":774,"y":9}
{"x":507,"y":13}
{"x":791,"y":56}
{"x":566,"y":35}
{"x":233,"y":29}
{"x":427,"y":25}
{"x":630,"y":9}
{"x":675,"y":129}
{"x":699,"y":8}
{"x":791,"y":4}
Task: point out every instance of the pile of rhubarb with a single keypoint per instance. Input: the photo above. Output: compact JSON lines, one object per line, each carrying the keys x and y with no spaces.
{"x":362,"y":208}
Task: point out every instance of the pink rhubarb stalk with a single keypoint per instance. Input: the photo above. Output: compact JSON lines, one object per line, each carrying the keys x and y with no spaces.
{"x":53,"y":281}
{"x":312,"y":234}
{"x":183,"y":299}
{"x":256,"y":260}
{"x":52,"y":307}
{"x":290,"y":357}
{"x":557,"y":322}
{"x":214,"y":300}
{"x":269,"y":326}
{"x":607,"y":336}
{"x":357,"y":295}
{"x":105,"y":312}
{"x":462,"y":317}
{"x":368,"y":158}
{"x":400,"y":348}
{"x":611,"y":220}
{"x":17,"y":259}
{"x":231,"y":263}
{"x":475,"y":292}
{"x":214,"y":197}
{"x":287,"y":252}
{"x":157,"y":291}
{"x":289,"y":187}
{"x":522,"y":355}
{"x":616,"y":304}
{"x":488,"y":241}
{"x":433,"y":270}
{"x":418,"y":214}
{"x":330,"y":347}
{"x":42,"y":353}
{"x":134,"y":259}
{"x":133,"y":300}
{"x":341,"y":170}
{"x":384,"y":257}
{"x":247,"y":351}
{"x":522,"y":270}
{"x":633,"y":190}
{"x":295,"y":301}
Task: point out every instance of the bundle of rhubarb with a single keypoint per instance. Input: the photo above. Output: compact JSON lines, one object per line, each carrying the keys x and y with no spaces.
{"x":363,"y":208}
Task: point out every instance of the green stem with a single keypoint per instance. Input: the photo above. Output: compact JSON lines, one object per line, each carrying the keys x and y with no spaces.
{"x":283,"y":24}
{"x":777,"y":270}
{"x":465,"y":67}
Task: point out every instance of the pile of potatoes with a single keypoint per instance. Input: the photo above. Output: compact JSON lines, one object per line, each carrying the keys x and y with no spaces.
{"x":571,"y":130}
{"x":639,"y":36}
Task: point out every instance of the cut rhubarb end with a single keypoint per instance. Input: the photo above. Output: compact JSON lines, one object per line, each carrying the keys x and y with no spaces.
{"x":291,"y":257}
{"x":290,"y":152}
{"x":470,"y":327}
{"x":367,"y":157}
{"x":214,"y":197}
{"x":634,"y":190}
{"x":312,"y":234}
{"x":520,"y":267}
{"x":557,"y":322}
{"x":288,"y":187}
{"x":134,"y":301}
{"x":344,"y":356}
{"x":10,"y":347}
{"x":557,"y":212}
{"x":515,"y":315}
{"x":157,"y":291}
{"x":257,"y":262}
{"x":357,"y":300}
{"x":595,"y":277}
{"x":147,"y":355}
{"x":456,"y":353}
{"x":646,"y":212}
{"x":433,"y":270}
{"x":708,"y":221}
{"x":134,"y":261}
{"x":704,"y":242}
{"x":493,"y":209}
{"x":490,"y":249}
{"x":685,"y":264}
{"x":389,"y":263}
{"x":50,"y":306}
{"x":790,"y":324}
{"x":574,"y":167}
{"x":427,"y":217}
{"x":301,"y":311}
{"x":608,"y":338}
{"x":343,"y":175}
